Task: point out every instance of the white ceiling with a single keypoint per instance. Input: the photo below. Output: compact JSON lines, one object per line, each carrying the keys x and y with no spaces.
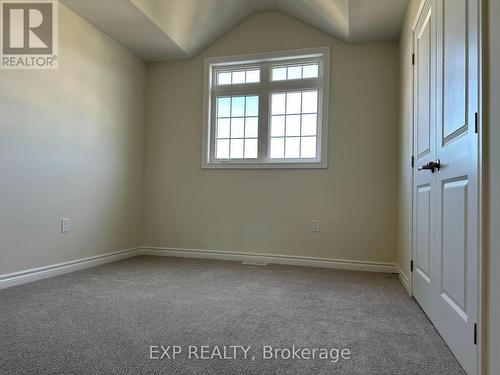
{"x":176,"y":29}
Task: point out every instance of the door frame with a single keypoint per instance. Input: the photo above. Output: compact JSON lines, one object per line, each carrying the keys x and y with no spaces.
{"x":480,"y":176}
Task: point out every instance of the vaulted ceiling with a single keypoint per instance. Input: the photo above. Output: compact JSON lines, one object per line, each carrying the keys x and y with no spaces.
{"x":176,"y":29}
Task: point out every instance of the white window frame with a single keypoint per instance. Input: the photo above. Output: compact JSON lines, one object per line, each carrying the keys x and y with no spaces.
{"x":263,"y":88}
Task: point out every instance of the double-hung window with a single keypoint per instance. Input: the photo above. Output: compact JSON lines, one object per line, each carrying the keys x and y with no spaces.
{"x":267,"y":111}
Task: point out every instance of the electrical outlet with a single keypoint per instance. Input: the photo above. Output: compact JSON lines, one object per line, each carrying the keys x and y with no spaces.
{"x":65,"y":225}
{"x":315,"y":226}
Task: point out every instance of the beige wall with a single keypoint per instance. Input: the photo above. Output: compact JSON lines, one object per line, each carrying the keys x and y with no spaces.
{"x":270,"y":211}
{"x":491,"y":141}
{"x":71,"y":144}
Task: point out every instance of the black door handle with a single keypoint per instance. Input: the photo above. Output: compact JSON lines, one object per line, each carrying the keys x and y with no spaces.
{"x":431,"y":166}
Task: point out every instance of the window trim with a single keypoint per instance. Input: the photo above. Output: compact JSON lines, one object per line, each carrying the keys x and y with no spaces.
{"x":213,"y":64}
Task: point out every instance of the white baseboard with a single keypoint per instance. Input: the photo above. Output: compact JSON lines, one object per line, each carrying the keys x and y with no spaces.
{"x":405,"y":280}
{"x":26,"y":276}
{"x":292,"y":260}
{"x":35,"y":274}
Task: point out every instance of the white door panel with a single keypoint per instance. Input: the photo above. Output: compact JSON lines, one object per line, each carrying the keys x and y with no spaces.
{"x":455,"y":63}
{"x":423,"y":227}
{"x":424,"y":67}
{"x":454,"y":246}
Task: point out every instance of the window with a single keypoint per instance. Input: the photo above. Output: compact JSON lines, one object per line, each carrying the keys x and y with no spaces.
{"x":267,"y":110}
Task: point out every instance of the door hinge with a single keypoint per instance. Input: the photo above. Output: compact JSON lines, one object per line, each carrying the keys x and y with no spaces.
{"x":475,"y":333}
{"x":413,"y":161}
{"x":411,"y":265}
{"x":413,"y":59}
{"x":475,"y":123}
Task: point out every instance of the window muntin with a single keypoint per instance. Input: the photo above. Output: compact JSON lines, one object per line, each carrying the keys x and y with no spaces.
{"x":283,"y":124}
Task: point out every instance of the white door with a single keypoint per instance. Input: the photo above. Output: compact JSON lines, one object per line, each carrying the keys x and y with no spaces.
{"x":457,"y":181}
{"x":446,"y":204}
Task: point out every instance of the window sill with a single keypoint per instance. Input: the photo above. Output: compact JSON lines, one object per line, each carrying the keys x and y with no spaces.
{"x":266,"y":165}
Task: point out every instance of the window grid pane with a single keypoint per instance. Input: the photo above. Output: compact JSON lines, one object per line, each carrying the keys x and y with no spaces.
{"x":289,"y":72}
{"x":235,"y":77}
{"x":310,"y":71}
{"x":294,"y":72}
{"x":252,"y":76}
{"x":293,"y":134}
{"x":238,"y":77}
{"x":236,"y":135}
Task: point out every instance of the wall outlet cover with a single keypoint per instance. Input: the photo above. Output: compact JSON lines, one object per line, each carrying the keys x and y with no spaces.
{"x":65,"y":225}
{"x":315,"y":225}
